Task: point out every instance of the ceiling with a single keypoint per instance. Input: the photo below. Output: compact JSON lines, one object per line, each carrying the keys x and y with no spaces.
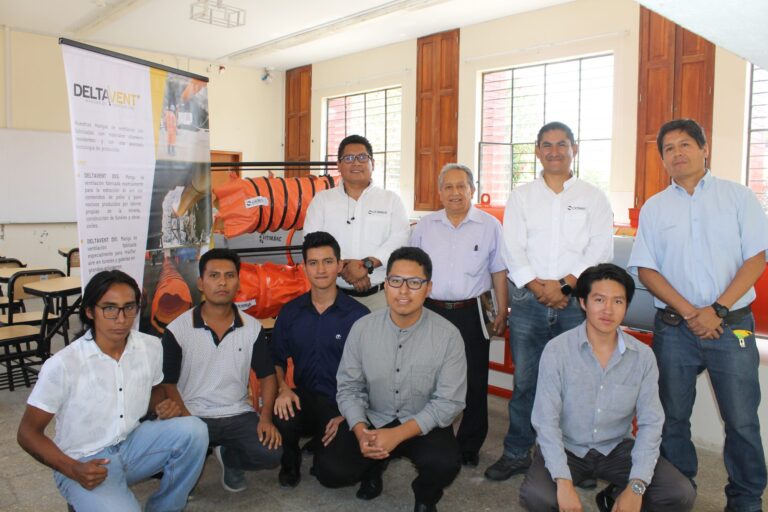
{"x":741,"y":28}
{"x":280,"y":35}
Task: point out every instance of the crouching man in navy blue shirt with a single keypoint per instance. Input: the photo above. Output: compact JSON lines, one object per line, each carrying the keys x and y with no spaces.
{"x":312,"y":330}
{"x":593,"y":380}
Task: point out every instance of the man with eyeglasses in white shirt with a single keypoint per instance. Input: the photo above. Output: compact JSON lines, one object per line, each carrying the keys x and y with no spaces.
{"x":401,"y":384}
{"x":554,"y":228}
{"x":367,"y":221}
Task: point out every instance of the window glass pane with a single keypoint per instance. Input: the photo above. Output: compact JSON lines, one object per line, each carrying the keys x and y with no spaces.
{"x":757,"y":150}
{"x":377,"y":115}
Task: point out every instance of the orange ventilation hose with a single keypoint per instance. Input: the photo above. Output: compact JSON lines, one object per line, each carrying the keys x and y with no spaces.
{"x":172,"y":297}
{"x":266,"y":204}
{"x":265,"y":288}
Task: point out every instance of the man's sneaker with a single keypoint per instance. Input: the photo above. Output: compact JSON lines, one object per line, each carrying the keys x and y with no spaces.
{"x":232,"y":479}
{"x":505,"y":467}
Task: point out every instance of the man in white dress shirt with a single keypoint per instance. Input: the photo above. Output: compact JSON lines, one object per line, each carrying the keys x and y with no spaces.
{"x":554,"y":228}
{"x":367,"y":221}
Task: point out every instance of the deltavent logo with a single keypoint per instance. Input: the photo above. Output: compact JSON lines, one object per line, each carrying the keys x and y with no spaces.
{"x":105,"y":95}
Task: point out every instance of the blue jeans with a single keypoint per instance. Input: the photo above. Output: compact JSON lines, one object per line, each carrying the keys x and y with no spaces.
{"x":176,"y":447}
{"x":531,"y":326}
{"x":733,"y":372}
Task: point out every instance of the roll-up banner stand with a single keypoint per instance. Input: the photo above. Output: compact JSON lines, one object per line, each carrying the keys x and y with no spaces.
{"x":142,"y":165}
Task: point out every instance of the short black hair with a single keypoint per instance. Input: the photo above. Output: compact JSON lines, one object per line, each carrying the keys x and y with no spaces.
{"x":688,"y":126}
{"x":601,"y":272}
{"x":100,"y":284}
{"x":354,"y":139}
{"x":319,"y":239}
{"x":555,"y":125}
{"x":218,"y":254}
{"x":414,"y":254}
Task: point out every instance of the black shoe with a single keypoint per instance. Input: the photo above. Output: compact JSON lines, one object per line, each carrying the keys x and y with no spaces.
{"x":587,"y":483}
{"x":605,"y":498}
{"x":370,"y":488}
{"x":505,"y":467}
{"x":289,"y":476}
{"x":421,"y":507}
{"x":470,"y":459}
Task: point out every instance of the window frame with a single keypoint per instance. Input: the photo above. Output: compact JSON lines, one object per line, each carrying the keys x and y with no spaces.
{"x":750,"y":130}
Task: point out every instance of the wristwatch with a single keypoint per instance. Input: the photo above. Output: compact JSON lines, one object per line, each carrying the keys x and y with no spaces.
{"x":565,"y":287}
{"x":368,"y":264}
{"x":637,"y":486}
{"x":720,"y":310}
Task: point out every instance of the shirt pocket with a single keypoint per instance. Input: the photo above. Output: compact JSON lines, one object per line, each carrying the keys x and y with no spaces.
{"x":376,"y":229}
{"x":476,"y":263}
{"x":423,"y":378}
{"x":575,"y":226}
{"x":622,"y":399}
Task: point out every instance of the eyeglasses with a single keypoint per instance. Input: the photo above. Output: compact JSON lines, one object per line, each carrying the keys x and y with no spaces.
{"x":112,"y":312}
{"x":413,"y":283}
{"x":361,"y":157}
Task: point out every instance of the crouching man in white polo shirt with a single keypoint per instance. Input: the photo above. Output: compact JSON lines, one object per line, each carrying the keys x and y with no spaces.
{"x":208,"y":353}
{"x":98,"y":388}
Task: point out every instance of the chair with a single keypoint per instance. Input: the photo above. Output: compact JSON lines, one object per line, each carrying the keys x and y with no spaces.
{"x":16,"y":292}
{"x":4,"y":302}
{"x":19,"y":355}
{"x":73,"y":260}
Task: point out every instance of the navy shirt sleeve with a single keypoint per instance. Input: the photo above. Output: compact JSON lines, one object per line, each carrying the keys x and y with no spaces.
{"x":171,"y":358}
{"x":261,"y":361}
{"x":278,"y":346}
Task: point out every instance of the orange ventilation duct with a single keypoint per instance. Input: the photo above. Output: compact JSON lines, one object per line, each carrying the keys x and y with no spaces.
{"x":172,"y":297}
{"x":265,"y":288}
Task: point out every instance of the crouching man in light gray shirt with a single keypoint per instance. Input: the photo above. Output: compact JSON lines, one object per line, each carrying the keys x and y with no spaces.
{"x":401,"y":384}
{"x":593,"y":380}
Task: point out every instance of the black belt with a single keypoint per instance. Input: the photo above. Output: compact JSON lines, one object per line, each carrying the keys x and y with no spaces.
{"x":367,"y":293}
{"x":453,"y":304}
{"x":671,"y":317}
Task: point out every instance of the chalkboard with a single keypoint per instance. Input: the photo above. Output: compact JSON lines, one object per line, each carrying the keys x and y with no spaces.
{"x":37,"y":181}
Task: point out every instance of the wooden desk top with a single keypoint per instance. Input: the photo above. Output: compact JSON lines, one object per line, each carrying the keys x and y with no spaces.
{"x":58,"y":286}
{"x":7,"y":272}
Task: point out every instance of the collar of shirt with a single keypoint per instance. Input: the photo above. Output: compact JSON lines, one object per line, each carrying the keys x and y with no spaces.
{"x":473,"y":215}
{"x":91,"y":349}
{"x":342,"y":301}
{"x":398,"y":330}
{"x":703,"y":183}
{"x":566,"y":185}
{"x":343,"y":190}
{"x":199,"y":323}
{"x":622,"y":345}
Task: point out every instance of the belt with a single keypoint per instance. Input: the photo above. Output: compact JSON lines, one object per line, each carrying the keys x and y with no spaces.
{"x":367,"y":293}
{"x":671,"y":317}
{"x":453,"y":304}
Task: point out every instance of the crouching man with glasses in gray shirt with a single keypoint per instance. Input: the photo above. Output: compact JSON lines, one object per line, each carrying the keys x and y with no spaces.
{"x":593,"y":380}
{"x":401,"y":383}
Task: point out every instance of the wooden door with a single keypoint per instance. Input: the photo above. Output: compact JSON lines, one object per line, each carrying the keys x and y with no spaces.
{"x":298,"y":105}
{"x":437,"y":86}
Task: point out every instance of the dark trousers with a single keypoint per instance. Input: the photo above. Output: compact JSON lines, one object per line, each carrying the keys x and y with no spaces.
{"x":474,"y":422}
{"x":436,"y":457}
{"x":669,"y":490}
{"x":239,"y":439}
{"x":315,"y":413}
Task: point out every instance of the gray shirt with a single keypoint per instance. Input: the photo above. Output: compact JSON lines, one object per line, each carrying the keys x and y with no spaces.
{"x":580,"y":406}
{"x":388,"y":373}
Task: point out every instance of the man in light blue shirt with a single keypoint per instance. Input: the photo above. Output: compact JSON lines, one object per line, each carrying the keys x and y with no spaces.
{"x":466,"y":248}
{"x":593,"y":380}
{"x":700,"y":248}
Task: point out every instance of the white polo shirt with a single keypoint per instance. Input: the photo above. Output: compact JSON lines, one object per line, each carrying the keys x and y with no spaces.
{"x":374,"y":225}
{"x":551,"y":235}
{"x":98,"y":401}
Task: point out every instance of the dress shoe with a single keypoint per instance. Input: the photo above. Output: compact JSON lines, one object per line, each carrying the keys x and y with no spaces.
{"x":605,"y":499}
{"x":470,"y":459}
{"x":421,"y":507}
{"x":370,"y":488}
{"x":289,"y":476}
{"x":505,"y":467}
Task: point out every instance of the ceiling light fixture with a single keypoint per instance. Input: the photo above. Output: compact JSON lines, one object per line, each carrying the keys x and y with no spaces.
{"x":216,"y":12}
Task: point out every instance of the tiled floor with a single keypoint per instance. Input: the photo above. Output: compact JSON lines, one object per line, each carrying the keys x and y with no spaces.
{"x":26,"y":485}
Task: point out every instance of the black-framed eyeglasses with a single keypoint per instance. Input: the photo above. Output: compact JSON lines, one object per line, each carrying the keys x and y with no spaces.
{"x":413,"y":283}
{"x":360,"y":157}
{"x":112,"y":312}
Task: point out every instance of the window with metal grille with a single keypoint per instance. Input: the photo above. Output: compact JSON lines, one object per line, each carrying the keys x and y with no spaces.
{"x":757,"y":136}
{"x":377,"y":115}
{"x":518,"y":101}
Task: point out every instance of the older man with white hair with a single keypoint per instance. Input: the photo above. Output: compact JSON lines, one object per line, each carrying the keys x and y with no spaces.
{"x":466,"y":248}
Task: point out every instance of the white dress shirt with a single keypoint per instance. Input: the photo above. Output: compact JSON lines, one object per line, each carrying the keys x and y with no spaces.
{"x":551,"y":235}
{"x":374,"y":225}
{"x":98,"y":401}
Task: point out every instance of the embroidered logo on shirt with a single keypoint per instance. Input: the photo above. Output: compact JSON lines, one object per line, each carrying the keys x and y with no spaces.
{"x":338,"y":336}
{"x":572,"y":207}
{"x":377,"y":212}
